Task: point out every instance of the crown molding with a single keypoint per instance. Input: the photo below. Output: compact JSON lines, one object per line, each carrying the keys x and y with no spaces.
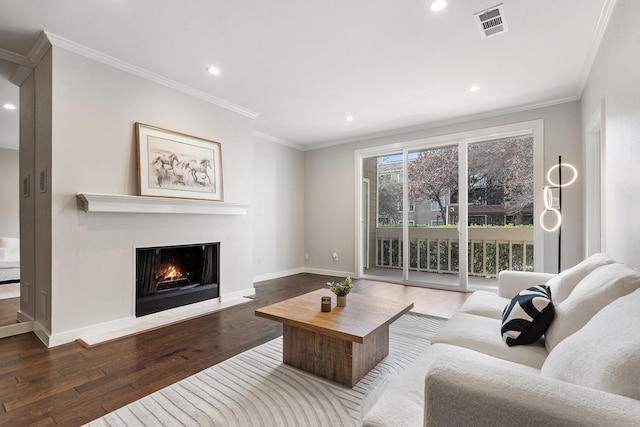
{"x":95,"y":55}
{"x":36,"y":53}
{"x":277,"y":140}
{"x":27,"y":63}
{"x":39,"y":49}
{"x":15,"y":58}
{"x":20,"y":76}
{"x":594,"y":46}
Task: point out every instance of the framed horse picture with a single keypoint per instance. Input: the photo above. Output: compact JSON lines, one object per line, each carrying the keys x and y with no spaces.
{"x":172,"y":164}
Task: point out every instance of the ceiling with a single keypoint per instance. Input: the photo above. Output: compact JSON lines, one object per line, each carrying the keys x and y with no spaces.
{"x":304,"y":66}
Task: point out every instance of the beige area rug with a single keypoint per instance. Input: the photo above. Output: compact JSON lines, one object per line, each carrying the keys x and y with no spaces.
{"x":255,"y":388}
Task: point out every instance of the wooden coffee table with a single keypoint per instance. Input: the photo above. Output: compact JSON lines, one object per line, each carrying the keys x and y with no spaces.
{"x":342,"y":345}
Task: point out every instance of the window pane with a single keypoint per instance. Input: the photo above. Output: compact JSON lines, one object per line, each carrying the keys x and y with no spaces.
{"x":500,"y":180}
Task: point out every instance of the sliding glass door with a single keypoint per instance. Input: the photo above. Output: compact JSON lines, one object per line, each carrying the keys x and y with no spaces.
{"x":500,"y":201}
{"x":450,"y":215}
{"x":414,"y":195}
{"x":434,"y":217}
{"x":383,"y":178}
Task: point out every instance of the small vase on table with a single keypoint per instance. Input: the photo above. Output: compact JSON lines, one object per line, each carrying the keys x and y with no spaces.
{"x":341,"y":289}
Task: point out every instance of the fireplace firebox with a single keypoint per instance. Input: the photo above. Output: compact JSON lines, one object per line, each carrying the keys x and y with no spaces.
{"x":173,"y":276}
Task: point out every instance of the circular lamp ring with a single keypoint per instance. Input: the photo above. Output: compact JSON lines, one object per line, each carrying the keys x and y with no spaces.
{"x":548,"y":198}
{"x":564,"y":184}
{"x":558,"y":220}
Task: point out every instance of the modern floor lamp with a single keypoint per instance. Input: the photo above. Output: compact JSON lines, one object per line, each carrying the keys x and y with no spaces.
{"x":549,"y":208}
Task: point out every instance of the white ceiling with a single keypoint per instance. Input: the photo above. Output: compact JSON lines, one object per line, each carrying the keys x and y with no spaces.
{"x":303,"y":66}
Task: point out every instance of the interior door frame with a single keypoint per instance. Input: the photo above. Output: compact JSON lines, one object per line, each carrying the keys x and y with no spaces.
{"x":595,"y":196}
{"x":366,"y":216}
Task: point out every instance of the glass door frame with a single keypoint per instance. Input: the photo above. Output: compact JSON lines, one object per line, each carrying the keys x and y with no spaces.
{"x":462,"y":141}
{"x":463,"y":266}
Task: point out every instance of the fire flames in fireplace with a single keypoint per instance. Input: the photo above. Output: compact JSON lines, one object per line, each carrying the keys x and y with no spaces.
{"x":170,"y":277}
{"x":169,"y":273}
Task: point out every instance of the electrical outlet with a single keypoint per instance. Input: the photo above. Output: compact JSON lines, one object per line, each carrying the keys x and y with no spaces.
{"x":335,"y":256}
{"x":306,"y":256}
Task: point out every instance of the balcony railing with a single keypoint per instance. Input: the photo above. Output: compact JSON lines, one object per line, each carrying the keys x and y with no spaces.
{"x":436,"y":249}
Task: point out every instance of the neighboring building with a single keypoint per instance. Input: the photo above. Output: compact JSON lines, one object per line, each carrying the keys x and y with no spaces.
{"x":486,"y":205}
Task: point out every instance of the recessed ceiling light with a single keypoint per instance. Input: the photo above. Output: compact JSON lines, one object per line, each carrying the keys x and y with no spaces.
{"x":474,"y":88}
{"x":214,"y":70}
{"x":9,"y":106}
{"x":349,"y":118}
{"x":438,"y":5}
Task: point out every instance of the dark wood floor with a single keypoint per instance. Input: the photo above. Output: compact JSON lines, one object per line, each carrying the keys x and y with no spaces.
{"x":8,"y":309}
{"x":72,"y":385}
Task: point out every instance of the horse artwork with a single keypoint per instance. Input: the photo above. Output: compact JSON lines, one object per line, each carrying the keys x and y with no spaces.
{"x":185,"y":167}
{"x":162,"y":165}
{"x":199,"y":170}
{"x":180,"y":171}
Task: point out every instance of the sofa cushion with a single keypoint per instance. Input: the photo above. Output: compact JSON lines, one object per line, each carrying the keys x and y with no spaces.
{"x":482,"y":334}
{"x":527,"y":316}
{"x":511,"y":282}
{"x":563,"y":284}
{"x":483,"y":303}
{"x":402,"y":402}
{"x":605,"y":353}
{"x":602,"y":286}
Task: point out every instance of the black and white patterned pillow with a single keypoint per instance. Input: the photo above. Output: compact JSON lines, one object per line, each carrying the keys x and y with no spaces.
{"x":526,"y":318}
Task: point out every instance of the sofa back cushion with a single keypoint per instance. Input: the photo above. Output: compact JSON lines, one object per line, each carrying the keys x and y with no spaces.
{"x":563,"y":284}
{"x":605,"y":353}
{"x":601,"y":287}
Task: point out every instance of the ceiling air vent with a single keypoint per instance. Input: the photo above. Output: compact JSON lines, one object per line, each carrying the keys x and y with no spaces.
{"x":492,"y":21}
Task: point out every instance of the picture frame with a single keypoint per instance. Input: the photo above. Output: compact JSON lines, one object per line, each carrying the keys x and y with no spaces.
{"x":176,"y":165}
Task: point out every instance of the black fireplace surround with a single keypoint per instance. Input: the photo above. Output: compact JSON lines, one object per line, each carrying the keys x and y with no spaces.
{"x":173,"y":276}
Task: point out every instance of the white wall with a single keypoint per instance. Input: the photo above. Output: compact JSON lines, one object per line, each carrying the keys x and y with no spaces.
{"x":614,"y":80}
{"x":95,"y":107}
{"x":329,"y":188}
{"x":278,"y":207}
{"x":9,"y":193}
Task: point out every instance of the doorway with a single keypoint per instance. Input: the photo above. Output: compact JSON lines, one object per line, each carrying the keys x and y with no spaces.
{"x":10,"y":196}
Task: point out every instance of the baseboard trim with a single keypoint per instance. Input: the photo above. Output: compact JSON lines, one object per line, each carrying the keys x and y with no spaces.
{"x":319,"y":271}
{"x":93,"y":330}
{"x":16,"y":329}
{"x":277,"y":275}
{"x":23,"y":317}
{"x":42,"y":333}
{"x":330,"y":272}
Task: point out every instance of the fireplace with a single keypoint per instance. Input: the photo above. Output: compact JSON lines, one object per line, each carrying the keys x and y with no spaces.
{"x":173,"y":276}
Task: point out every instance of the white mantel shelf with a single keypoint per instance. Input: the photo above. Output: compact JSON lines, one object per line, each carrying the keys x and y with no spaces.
{"x":93,"y":202}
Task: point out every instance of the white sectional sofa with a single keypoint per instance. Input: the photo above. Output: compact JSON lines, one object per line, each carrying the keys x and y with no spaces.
{"x":585,"y":371}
